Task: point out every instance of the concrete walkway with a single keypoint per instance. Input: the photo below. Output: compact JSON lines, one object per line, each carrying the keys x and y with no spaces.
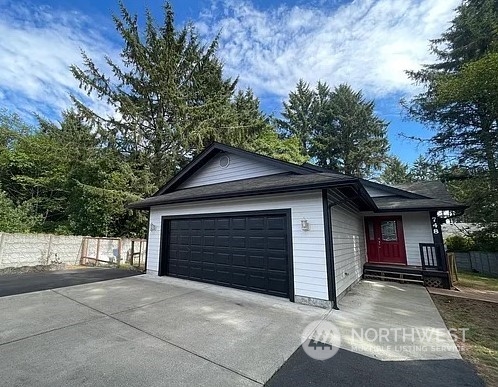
{"x":390,"y":321}
{"x":391,"y":335}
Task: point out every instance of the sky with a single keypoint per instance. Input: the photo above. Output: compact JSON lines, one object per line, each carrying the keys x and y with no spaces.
{"x":269,"y":45}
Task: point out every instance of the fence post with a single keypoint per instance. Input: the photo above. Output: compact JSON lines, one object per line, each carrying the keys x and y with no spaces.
{"x":98,"y":252}
{"x":1,"y":248}
{"x":119,"y":252}
{"x":49,"y":249}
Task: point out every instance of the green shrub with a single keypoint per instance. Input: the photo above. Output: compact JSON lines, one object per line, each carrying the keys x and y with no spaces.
{"x":486,"y":239}
{"x":459,"y":243}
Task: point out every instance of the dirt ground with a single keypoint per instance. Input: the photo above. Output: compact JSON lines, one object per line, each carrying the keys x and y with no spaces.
{"x":480,"y":345}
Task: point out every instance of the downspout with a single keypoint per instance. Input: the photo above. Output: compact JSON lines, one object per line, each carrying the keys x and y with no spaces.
{"x":147,"y":242}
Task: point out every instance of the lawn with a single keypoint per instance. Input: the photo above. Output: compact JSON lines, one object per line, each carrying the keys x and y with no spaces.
{"x":481,"y":342}
{"x":477,"y":281}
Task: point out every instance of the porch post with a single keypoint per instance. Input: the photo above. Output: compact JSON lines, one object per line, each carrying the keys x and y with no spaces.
{"x":437,"y":236}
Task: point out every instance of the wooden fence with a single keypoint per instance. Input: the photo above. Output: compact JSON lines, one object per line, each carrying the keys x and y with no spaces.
{"x":113,"y":252}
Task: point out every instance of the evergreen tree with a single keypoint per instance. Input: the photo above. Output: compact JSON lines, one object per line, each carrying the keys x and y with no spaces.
{"x":395,"y":172}
{"x":459,"y":100}
{"x":349,"y":138}
{"x":460,"y":103}
{"x":169,"y":96}
{"x":425,"y":170}
{"x":299,"y":115}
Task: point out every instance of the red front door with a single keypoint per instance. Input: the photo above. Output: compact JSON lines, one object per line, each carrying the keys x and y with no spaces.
{"x":385,"y":240}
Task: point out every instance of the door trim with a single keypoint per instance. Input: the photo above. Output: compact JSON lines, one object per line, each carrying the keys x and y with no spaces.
{"x":164,"y":242}
{"x":401,"y":237}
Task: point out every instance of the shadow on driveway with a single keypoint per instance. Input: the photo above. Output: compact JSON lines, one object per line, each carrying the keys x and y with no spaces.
{"x":350,"y":369}
{"x":11,"y":284}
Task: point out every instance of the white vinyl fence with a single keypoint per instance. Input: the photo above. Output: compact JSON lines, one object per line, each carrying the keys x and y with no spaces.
{"x":18,"y":250}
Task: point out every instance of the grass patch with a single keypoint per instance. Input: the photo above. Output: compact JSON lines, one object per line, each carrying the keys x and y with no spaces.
{"x":477,"y":281}
{"x":481,"y":340}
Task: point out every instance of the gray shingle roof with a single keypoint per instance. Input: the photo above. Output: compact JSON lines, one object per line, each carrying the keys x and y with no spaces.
{"x":436,"y":197}
{"x":284,"y":182}
{"x":430,"y":189}
{"x":386,"y":203}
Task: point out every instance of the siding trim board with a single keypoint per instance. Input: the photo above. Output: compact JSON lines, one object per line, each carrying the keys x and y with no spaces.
{"x":329,"y":250}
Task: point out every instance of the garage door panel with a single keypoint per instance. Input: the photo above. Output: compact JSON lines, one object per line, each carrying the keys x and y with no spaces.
{"x":197,"y":256}
{"x":277,"y":264}
{"x":239,"y":279}
{"x":256,"y":223}
{"x":257,"y":261}
{"x":196,"y":271}
{"x":209,"y":256}
{"x":209,"y":240}
{"x":238,"y":242}
{"x":195,"y":225}
{"x":238,"y":224}
{"x":223,"y":258}
{"x":223,"y":224}
{"x":224,"y":275}
{"x":239,"y":259}
{"x":276,"y":223}
{"x":222,"y":241}
{"x":246,"y":252}
{"x":196,"y":240}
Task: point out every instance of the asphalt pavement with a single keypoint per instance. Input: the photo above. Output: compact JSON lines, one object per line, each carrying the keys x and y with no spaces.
{"x":11,"y":284}
{"x":351,"y":369}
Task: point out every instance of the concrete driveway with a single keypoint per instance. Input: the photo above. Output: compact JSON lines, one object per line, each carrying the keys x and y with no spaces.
{"x":147,"y":332}
{"x":152,"y":331}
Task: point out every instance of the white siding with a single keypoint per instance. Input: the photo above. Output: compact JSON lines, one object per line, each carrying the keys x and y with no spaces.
{"x":310,"y":270}
{"x":416,"y":229}
{"x":349,"y":247}
{"x":238,"y":169}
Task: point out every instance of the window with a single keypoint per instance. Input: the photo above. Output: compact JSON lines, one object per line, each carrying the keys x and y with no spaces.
{"x":388,"y":231}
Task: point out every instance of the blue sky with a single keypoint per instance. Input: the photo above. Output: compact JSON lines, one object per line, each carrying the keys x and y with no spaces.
{"x":270,"y":45}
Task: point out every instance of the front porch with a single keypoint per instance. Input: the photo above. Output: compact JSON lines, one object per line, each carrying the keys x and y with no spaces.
{"x":432,"y":271}
{"x":406,"y":247}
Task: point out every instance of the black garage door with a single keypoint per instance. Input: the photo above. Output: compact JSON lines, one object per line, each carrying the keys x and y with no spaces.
{"x":246,"y":252}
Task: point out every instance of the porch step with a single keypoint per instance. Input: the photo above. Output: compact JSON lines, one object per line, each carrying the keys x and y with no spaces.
{"x":387,"y":274}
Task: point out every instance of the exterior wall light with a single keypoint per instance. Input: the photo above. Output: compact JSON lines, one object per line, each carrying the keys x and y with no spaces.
{"x":152,"y":227}
{"x":305,"y":226}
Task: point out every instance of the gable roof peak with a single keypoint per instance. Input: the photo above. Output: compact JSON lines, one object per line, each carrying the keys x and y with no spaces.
{"x":215,"y":148}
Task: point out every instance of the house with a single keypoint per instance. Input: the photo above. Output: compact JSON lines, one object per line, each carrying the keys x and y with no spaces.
{"x":239,"y":219}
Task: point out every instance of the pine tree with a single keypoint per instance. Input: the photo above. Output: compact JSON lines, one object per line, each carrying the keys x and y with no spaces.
{"x":169,"y":95}
{"x":460,"y":99}
{"x":395,"y":172}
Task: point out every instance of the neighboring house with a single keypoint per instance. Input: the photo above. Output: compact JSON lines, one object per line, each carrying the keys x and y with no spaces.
{"x":459,"y":229}
{"x":238,"y":219}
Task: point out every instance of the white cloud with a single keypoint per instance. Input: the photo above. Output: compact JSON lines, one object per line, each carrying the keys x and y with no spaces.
{"x":37,"y":45}
{"x":366,"y":43}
